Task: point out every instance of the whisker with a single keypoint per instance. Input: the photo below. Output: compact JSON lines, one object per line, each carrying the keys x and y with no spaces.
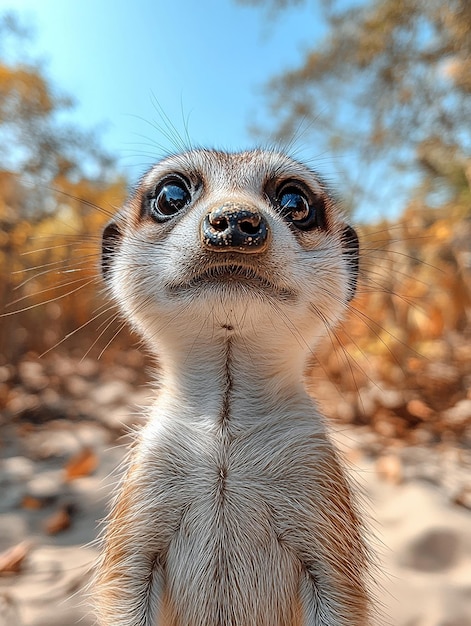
{"x":51,"y":288}
{"x":107,"y":323}
{"x":93,"y":241}
{"x":75,"y":331}
{"x":120,"y":328}
{"x":71,"y":196}
{"x":59,"y":297}
{"x":72,"y":269}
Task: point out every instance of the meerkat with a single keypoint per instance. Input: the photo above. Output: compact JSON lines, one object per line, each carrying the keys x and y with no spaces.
{"x":234,"y":509}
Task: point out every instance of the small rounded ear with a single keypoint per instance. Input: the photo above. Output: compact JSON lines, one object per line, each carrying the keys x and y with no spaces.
{"x":351,"y":248}
{"x":109,"y":243}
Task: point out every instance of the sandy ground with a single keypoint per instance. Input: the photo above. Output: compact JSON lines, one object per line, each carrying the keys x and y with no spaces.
{"x":50,"y":512}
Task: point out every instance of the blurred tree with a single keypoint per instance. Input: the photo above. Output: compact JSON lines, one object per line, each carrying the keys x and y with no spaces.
{"x":56,"y":182}
{"x":34,"y":136}
{"x":388,"y":89}
{"x":391,"y":84}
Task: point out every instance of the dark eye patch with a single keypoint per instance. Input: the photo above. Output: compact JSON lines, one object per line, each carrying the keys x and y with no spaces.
{"x":171,"y":196}
{"x":299,"y":206}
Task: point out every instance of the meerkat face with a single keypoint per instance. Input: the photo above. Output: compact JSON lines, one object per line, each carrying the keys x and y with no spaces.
{"x":255,"y":235}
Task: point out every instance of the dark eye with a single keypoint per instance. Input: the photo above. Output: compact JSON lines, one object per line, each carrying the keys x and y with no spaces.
{"x":171,"y":197}
{"x":296,"y":208}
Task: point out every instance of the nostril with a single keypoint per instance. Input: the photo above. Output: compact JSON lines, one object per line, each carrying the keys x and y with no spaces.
{"x":250,"y":226}
{"x":234,"y":226}
{"x":219,"y":223}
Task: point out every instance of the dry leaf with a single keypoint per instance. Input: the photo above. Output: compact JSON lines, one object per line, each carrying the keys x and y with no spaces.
{"x":463,"y":498}
{"x":11,"y":561}
{"x":419,"y":409}
{"x":82,"y":464}
{"x":58,"y":521}
{"x":31,"y":503}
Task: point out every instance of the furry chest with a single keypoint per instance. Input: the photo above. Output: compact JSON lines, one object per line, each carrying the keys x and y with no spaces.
{"x":226,"y":565}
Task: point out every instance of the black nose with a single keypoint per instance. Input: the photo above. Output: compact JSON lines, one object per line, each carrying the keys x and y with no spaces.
{"x":234,"y":227}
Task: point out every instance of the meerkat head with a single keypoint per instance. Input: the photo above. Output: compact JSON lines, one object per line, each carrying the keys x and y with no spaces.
{"x":245,"y":239}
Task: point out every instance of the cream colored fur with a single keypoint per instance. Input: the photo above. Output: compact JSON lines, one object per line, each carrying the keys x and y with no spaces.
{"x":234,"y":510}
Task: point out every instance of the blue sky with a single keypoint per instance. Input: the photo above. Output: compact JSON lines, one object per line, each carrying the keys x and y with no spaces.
{"x":203,"y":63}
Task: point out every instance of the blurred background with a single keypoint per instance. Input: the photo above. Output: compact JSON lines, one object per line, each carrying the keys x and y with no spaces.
{"x":376,"y":96}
